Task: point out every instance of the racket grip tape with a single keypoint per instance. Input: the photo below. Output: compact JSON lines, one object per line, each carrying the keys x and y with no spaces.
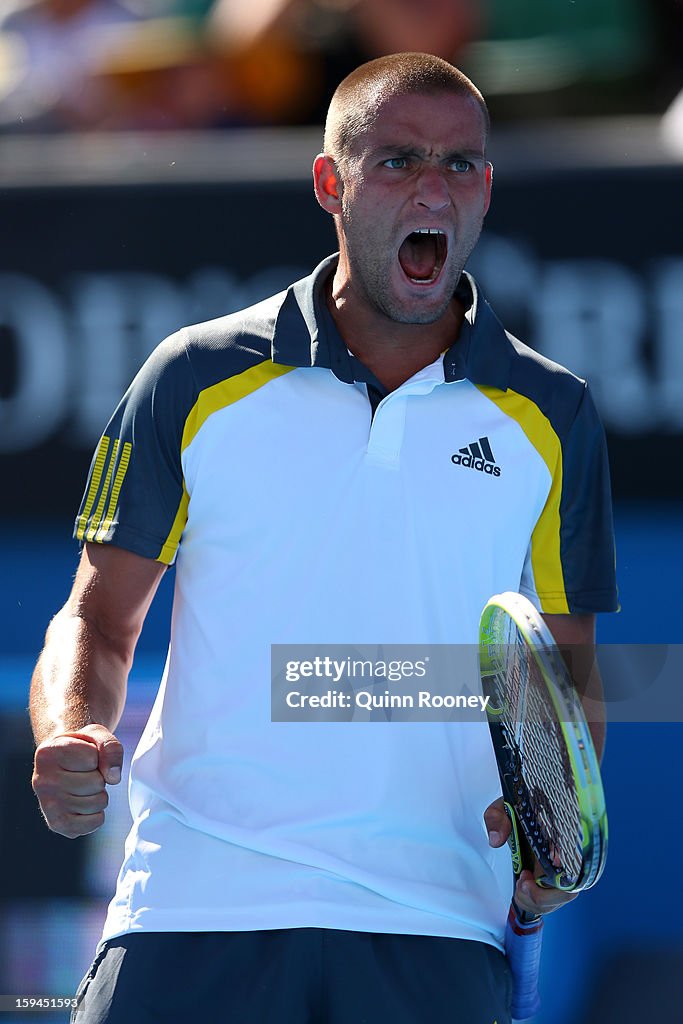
{"x":523,"y":950}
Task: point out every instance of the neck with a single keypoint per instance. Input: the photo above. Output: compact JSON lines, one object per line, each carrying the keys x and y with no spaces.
{"x":393,"y":351}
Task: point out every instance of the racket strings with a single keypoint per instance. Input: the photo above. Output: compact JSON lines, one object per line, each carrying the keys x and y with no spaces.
{"x":539,"y":764}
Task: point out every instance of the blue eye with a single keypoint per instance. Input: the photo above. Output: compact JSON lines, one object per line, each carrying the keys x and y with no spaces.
{"x":396,"y":163}
{"x":461,"y":166}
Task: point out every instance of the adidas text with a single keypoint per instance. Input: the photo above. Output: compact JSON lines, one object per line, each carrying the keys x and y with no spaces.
{"x":479,"y":464}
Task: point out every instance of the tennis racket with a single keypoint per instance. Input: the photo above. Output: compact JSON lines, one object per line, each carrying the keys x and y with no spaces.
{"x":548,"y":770}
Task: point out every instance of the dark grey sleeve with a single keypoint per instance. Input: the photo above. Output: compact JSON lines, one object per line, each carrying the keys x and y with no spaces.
{"x":135,"y":496}
{"x":586,"y":531}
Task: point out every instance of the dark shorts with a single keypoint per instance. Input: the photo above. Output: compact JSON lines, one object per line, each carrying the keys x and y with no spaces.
{"x":294,"y":976}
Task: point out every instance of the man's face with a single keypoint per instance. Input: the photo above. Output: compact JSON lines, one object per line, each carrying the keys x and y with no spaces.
{"x":414,"y":193}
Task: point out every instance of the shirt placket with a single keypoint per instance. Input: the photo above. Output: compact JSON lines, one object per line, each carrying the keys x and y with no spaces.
{"x":387,"y":429}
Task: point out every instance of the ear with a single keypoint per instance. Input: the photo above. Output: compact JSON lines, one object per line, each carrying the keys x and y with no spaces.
{"x":327,"y":184}
{"x":489,"y":185}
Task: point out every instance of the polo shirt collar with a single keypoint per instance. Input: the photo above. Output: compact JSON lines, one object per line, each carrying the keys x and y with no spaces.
{"x":306,"y":335}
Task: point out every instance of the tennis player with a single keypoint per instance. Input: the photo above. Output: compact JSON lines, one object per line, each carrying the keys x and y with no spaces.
{"x":364,"y":458}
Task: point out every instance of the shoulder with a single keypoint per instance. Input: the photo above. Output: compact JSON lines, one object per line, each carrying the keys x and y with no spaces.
{"x":546,"y":397}
{"x":557,"y":392}
{"x":515,"y":375}
{"x":255,"y":323}
{"x":196,"y":357}
{"x":218,"y":349}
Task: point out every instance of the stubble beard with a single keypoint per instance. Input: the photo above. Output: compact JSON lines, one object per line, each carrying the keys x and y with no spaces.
{"x":371,"y":271}
{"x":422,"y":311}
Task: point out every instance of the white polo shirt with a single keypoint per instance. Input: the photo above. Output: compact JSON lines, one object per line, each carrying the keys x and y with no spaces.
{"x":249,"y":447}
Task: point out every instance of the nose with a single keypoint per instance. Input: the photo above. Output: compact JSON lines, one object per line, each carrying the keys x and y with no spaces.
{"x":432,"y":191}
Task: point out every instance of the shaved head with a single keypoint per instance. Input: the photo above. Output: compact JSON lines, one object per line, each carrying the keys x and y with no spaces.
{"x":358,"y":99}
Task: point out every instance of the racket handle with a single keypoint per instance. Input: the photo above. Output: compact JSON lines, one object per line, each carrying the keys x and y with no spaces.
{"x":523,"y":950}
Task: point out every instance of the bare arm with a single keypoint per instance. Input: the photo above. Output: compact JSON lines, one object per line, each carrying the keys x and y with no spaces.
{"x":575,"y":637}
{"x":78,"y":688}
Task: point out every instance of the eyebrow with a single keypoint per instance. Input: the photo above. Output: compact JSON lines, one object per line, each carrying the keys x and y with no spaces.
{"x":412,"y":150}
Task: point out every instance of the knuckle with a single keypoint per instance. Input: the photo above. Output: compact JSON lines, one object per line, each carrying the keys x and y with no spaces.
{"x":43,"y":757}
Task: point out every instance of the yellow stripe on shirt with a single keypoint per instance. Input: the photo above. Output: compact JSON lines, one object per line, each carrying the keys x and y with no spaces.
{"x":97,"y":516}
{"x":167,"y":553}
{"x":227,"y":392}
{"x":98,"y":466}
{"x":546,"y":560}
{"x":108,"y":520}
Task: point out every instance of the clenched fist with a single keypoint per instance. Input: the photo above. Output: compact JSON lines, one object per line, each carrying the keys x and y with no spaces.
{"x":70,"y":776}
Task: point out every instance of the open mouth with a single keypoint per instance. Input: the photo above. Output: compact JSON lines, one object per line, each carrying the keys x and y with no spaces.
{"x":423,"y":254}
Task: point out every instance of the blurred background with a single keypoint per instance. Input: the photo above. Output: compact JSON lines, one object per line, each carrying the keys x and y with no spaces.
{"x":155,"y":171}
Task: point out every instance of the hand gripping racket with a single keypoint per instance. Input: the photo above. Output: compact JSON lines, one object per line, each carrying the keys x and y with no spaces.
{"x":548,"y":770}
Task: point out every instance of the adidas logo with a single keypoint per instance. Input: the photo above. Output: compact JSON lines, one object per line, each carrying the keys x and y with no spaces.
{"x":477,"y":455}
